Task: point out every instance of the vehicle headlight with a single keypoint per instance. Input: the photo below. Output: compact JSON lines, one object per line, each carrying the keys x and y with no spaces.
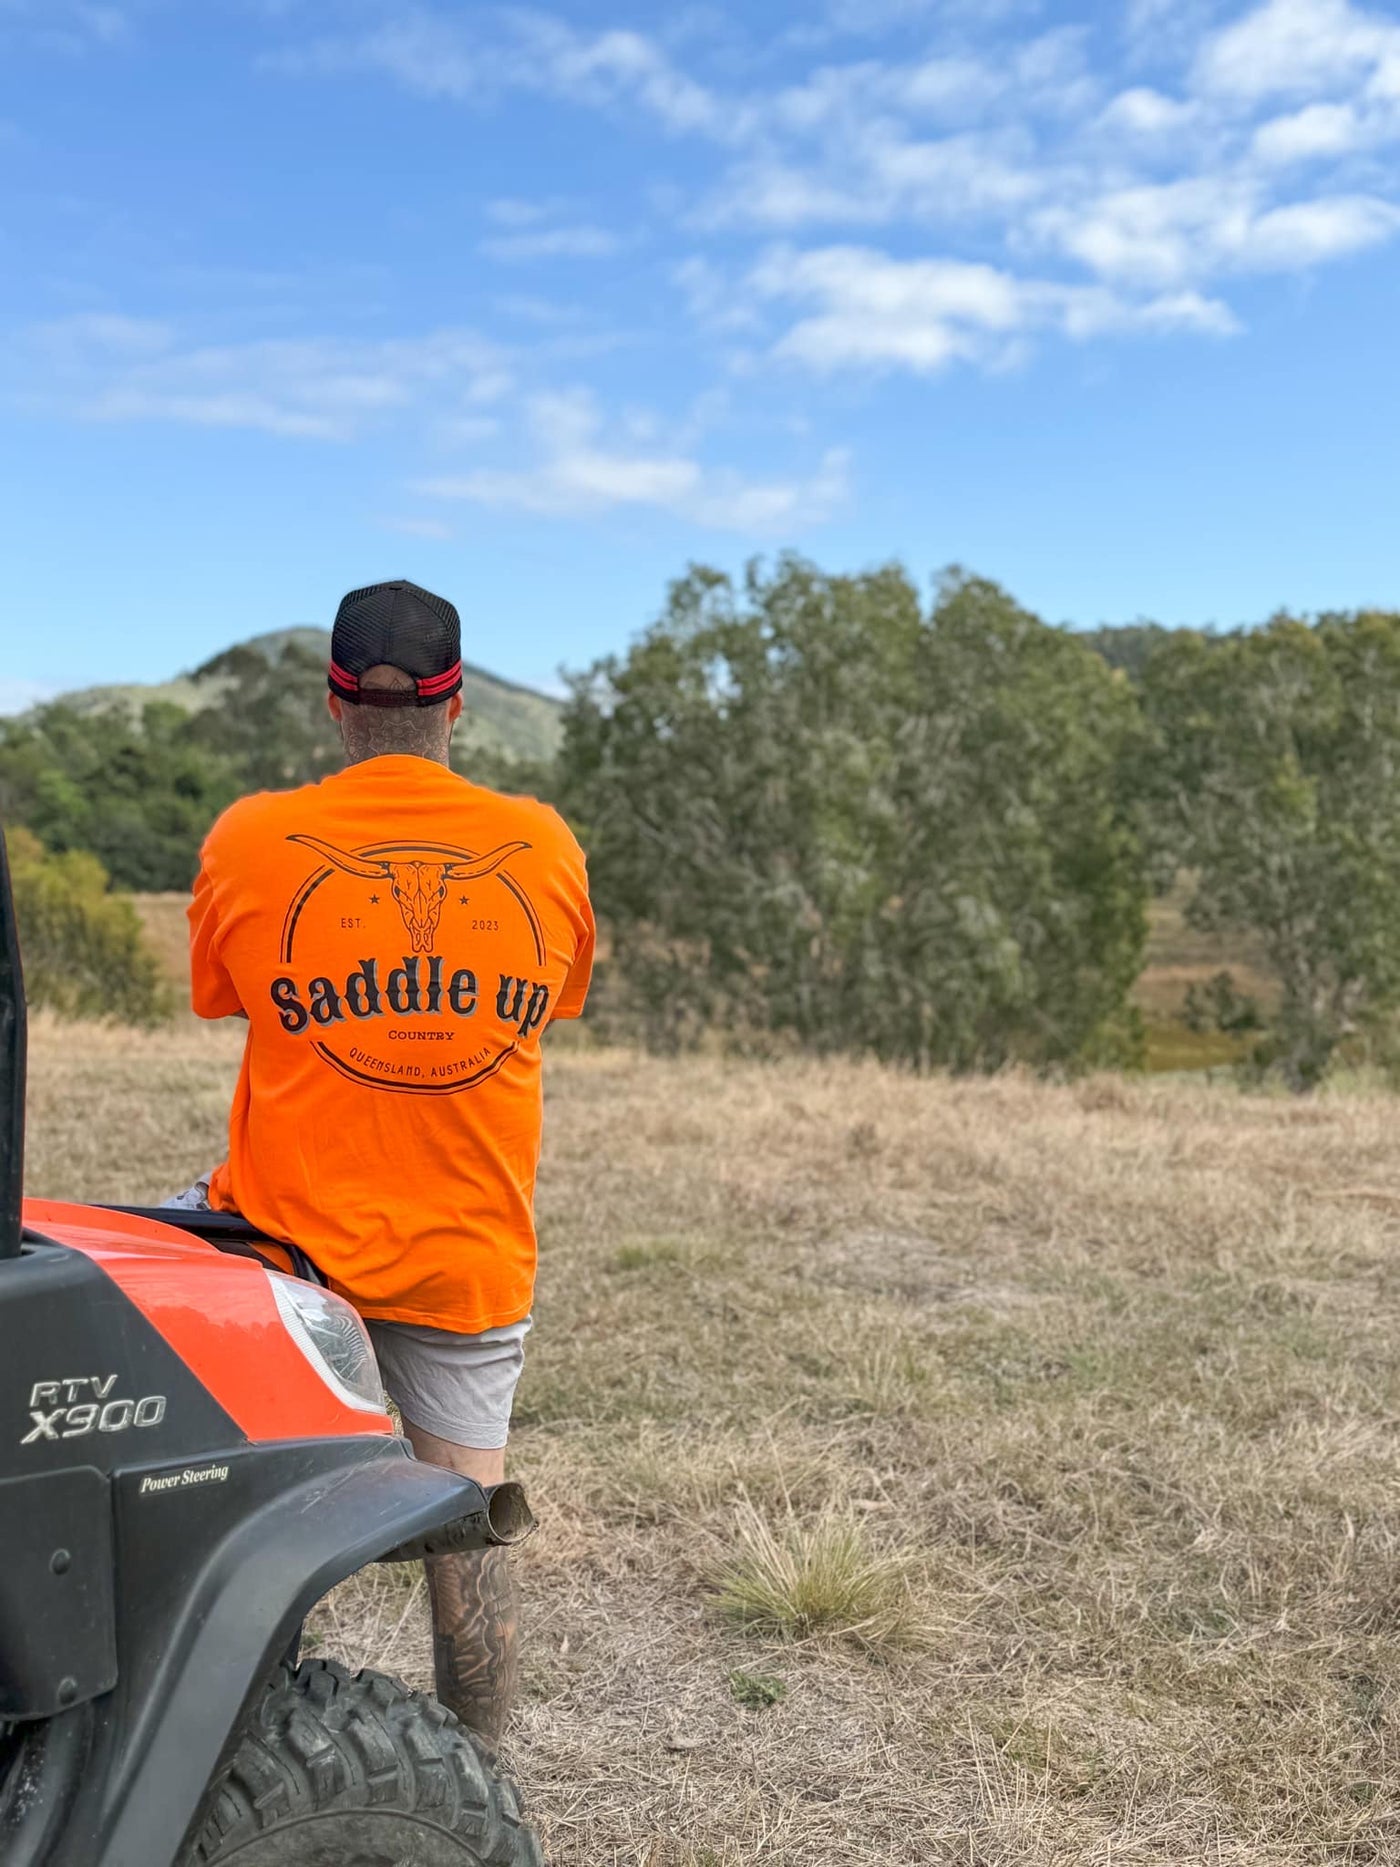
{"x":333,"y":1339}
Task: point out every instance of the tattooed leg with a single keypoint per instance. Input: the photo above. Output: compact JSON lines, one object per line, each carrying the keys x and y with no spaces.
{"x":476,"y":1638}
{"x":476,"y":1620}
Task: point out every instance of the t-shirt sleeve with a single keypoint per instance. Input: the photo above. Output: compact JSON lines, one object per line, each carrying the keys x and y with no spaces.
{"x":571,"y":999}
{"x":212,"y":992}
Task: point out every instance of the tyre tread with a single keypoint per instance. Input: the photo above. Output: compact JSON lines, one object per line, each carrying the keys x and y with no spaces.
{"x":325,"y":1741}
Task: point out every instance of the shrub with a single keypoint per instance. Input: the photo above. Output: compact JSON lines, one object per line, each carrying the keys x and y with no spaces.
{"x":756,"y":1691}
{"x":83,"y":949}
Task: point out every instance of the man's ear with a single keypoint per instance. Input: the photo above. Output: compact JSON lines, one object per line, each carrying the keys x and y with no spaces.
{"x":333,"y":704}
{"x":454,"y":709}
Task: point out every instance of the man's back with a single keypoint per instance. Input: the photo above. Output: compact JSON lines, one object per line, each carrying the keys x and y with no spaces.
{"x":398,"y":938}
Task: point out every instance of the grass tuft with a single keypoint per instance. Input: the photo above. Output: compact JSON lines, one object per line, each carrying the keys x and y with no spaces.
{"x":645,"y":1257}
{"x":825,"y":1577}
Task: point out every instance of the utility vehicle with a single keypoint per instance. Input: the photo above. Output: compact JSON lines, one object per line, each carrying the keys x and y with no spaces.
{"x":193,"y":1449}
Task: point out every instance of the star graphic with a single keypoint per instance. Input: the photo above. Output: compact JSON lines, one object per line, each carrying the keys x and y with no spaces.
{"x":463,"y":899}
{"x":374,"y":901}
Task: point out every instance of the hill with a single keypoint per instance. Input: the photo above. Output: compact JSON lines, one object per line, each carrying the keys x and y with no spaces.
{"x":506,"y":720}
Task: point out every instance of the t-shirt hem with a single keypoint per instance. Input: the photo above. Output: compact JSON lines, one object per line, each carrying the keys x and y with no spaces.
{"x":454,"y":1325}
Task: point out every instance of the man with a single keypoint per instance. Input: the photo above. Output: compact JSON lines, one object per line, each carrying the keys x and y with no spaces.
{"x":398,"y":938}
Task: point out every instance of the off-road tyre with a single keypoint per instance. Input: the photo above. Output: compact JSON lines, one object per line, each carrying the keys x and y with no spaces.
{"x":335,"y":1770}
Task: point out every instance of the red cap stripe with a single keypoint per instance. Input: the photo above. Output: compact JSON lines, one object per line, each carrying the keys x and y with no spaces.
{"x":338,"y":673}
{"x":434,"y":684}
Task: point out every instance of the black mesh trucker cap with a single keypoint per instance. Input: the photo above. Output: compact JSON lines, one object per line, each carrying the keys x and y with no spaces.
{"x":406,"y":627}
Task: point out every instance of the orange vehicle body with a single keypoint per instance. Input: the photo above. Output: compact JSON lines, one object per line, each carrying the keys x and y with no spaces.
{"x":233,"y":1339}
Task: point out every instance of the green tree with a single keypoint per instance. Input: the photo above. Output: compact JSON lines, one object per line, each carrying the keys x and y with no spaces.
{"x":138,"y":793}
{"x":1274,"y":764}
{"x":83,"y":950}
{"x":816,"y":815}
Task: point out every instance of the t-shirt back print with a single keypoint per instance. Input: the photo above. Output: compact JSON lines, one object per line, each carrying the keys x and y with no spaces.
{"x":398,"y":939}
{"x":441,"y":981}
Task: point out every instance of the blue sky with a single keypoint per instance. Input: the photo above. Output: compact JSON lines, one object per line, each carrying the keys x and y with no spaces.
{"x":536,"y":305}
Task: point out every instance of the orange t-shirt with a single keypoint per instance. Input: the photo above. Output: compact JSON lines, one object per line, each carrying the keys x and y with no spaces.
{"x":399,"y":939}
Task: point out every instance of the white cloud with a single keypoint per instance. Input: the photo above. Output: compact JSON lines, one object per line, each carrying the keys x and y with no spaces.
{"x":608,"y":67}
{"x":509,"y":211}
{"x":1052,"y":71}
{"x":585,"y":479}
{"x":948,"y":87}
{"x":873,"y":311}
{"x":775,"y":508}
{"x":712,"y":297}
{"x":990,"y":140}
{"x":1317,"y":130}
{"x":1143,"y":112}
{"x":1166,"y":32}
{"x":1167,"y":235}
{"x":577,"y":472}
{"x":466,"y":430}
{"x":957,"y":176}
{"x":1088,"y":311}
{"x":781,"y":194}
{"x":943,"y":88}
{"x":442,"y":55}
{"x":105,"y":368}
{"x":1027,"y":183}
{"x":581,"y":242}
{"x":940,"y":137}
{"x":103,"y":331}
{"x":1142,"y":17}
{"x":435,"y":531}
{"x":1305,"y":233}
{"x":866,"y":16}
{"x":424,"y":53}
{"x":450,"y":384}
{"x":881,"y":175}
{"x":70,"y":26}
{"x":522,"y":307}
{"x":1152,"y":235}
{"x":1295,"y":47}
{"x":105,"y":23}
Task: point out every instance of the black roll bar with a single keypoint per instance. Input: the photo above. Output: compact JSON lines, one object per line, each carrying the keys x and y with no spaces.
{"x":12,"y":1067}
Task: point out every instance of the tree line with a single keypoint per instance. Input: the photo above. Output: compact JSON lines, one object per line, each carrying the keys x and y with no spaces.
{"x":825,"y":813}
{"x":821,"y":812}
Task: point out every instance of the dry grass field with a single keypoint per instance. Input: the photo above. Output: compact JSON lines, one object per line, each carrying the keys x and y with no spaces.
{"x":978,"y":1473}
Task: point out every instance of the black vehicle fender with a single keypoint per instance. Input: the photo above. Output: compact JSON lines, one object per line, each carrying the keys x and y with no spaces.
{"x":215,"y":1575}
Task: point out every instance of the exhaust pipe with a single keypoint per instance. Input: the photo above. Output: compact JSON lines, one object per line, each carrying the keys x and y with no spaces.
{"x":502,"y":1519}
{"x":12,"y":1068}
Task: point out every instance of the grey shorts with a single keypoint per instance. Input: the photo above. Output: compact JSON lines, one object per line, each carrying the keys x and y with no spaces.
{"x":460,"y":1387}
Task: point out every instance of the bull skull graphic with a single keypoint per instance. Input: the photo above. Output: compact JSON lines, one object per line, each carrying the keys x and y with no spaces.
{"x":419,"y":887}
